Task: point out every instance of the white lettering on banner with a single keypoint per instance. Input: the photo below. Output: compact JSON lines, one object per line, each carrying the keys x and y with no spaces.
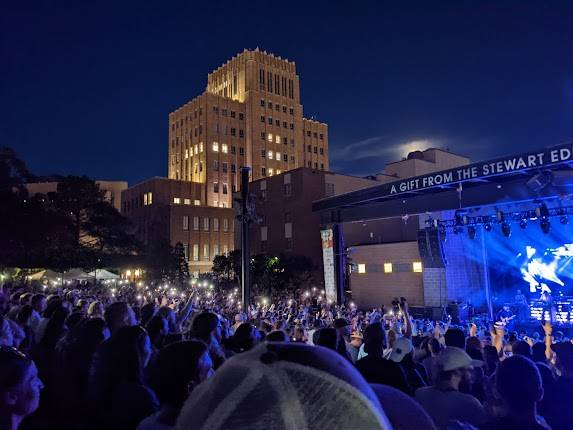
{"x":478,"y":170}
{"x":327,"y":237}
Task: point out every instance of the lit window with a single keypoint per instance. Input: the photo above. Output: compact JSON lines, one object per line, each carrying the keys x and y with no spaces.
{"x":215,"y":146}
{"x":277,"y":139}
{"x":200,"y":146}
{"x":186,"y":154}
{"x":177,"y":200}
{"x":270,"y":137}
{"x":278,"y":156}
{"x":417,"y":266}
{"x":387,"y":267}
{"x":270,"y":172}
{"x":362,"y":268}
{"x":196,"y":148}
{"x":195,"y":252}
{"x":187,"y":201}
{"x":279,"y":171}
{"x":270,"y":155}
{"x":197,"y":202}
{"x":145,"y":199}
{"x":224,"y":148}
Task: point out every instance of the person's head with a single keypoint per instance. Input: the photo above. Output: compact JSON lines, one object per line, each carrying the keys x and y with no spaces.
{"x":374,"y":339}
{"x":95,"y":309}
{"x":518,"y":382}
{"x":148,"y":311}
{"x":538,"y":352}
{"x":342,"y":326}
{"x":300,"y":333}
{"x":179,"y":367}
{"x":118,"y":315}
{"x":19,"y":384}
{"x":6,"y":336}
{"x":401,"y":348}
{"x":260,"y":378}
{"x":455,"y":337}
{"x":506,"y":307}
{"x":521,"y":347}
{"x":25,"y":299}
{"x":74,"y":319}
{"x":240,"y":318}
{"x":356,"y":339}
{"x":434,"y":346}
{"x":82,"y":306}
{"x":205,"y":326}
{"x":122,"y":358}
{"x":453,"y":366}
{"x":38,"y":303}
{"x":245,"y":336}
{"x":277,"y":336}
{"x":157,"y":328}
{"x":24,"y":314}
{"x":564,"y":363}
{"x":327,"y":337}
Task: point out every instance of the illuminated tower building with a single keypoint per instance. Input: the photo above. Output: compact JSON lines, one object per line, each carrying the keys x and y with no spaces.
{"x":249,"y":115}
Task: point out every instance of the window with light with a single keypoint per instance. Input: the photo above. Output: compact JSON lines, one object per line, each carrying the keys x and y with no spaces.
{"x":387,"y":267}
{"x":417,"y":266}
{"x":362,"y":268}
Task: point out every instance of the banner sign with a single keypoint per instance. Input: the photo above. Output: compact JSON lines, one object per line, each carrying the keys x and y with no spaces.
{"x":327,"y":237}
{"x":484,"y":169}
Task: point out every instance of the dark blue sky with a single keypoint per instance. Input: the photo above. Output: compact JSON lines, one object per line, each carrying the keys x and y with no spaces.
{"x":86,"y":87}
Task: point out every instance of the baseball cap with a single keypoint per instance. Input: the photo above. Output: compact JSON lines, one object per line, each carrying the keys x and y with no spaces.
{"x":452,"y":358}
{"x":340,"y":322}
{"x":282,"y":386}
{"x":402,"y":346}
{"x":357,"y":335}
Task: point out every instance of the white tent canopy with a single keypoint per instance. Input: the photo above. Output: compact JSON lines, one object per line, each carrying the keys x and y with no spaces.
{"x":76,"y":274}
{"x":102,"y":274}
{"x":50,"y":275}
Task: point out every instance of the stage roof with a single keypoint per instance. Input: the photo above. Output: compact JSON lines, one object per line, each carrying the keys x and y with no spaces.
{"x":543,"y":174}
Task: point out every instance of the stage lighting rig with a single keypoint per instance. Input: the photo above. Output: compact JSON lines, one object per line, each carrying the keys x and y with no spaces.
{"x":563,"y":220}
{"x":523,"y":223}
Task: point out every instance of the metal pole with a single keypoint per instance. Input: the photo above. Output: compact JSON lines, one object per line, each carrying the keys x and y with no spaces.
{"x":245,"y":251}
{"x":485,"y":265}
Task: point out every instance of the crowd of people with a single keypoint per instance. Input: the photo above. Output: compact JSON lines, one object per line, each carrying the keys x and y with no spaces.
{"x":86,"y":356}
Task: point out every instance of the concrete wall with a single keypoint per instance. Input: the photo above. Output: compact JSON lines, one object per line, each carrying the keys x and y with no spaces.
{"x":375,"y":288}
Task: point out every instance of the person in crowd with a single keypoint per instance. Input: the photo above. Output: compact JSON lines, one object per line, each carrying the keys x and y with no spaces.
{"x":157,"y":328}
{"x":95,"y":309}
{"x":76,"y":359}
{"x":328,"y":338}
{"x":148,"y":311}
{"x":239,"y":319}
{"x":118,"y":315}
{"x":559,"y":405}
{"x":20,"y":387}
{"x":6,"y":338}
{"x":278,"y":336}
{"x":38,"y":304}
{"x":374,"y":367}
{"x":518,"y":383}
{"x":433,"y":347}
{"x":206,"y":327}
{"x":403,"y":354}
{"x":246,"y":337}
{"x":353,"y":348}
{"x":443,"y":401}
{"x":179,"y":367}
{"x":118,"y":394}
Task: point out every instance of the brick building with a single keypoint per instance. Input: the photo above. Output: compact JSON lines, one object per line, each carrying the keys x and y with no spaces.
{"x":172,"y":210}
{"x":284,"y":202}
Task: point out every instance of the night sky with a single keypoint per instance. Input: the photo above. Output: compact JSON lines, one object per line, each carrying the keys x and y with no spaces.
{"x":86,"y":87}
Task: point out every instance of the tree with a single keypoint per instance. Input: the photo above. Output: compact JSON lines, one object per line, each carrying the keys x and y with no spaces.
{"x":181,"y":269}
{"x":227,"y":269}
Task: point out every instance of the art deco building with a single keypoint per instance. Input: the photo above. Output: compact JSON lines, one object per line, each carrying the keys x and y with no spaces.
{"x":249,"y":115}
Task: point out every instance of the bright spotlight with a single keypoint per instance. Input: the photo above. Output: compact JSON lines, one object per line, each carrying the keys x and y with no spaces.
{"x":487,"y":226}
